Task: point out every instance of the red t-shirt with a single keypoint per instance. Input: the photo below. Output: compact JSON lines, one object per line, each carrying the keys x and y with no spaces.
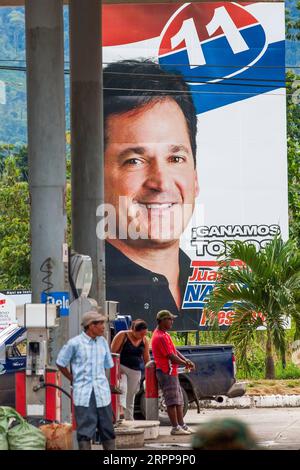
{"x":162,"y":346}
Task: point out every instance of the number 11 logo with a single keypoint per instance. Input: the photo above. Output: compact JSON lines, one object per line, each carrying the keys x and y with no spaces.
{"x":212,"y":34}
{"x":188,"y":33}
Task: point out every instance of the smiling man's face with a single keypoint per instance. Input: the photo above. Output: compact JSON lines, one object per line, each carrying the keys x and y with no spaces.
{"x":148,"y":159}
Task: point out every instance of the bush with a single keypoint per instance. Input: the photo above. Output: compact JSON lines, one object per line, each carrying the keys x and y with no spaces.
{"x":290,"y":372}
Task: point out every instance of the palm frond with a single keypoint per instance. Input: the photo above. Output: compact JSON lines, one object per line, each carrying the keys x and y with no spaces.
{"x":268,"y":283}
{"x":247,"y":253}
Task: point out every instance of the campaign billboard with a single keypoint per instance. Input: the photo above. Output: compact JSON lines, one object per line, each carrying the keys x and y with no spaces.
{"x":195,"y":147}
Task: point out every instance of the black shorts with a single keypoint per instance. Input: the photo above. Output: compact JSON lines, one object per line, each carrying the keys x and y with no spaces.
{"x":89,"y":419}
{"x":170,"y":388}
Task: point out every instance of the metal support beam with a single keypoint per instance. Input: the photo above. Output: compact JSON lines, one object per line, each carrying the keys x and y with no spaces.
{"x":46,"y":148}
{"x":86,"y":135}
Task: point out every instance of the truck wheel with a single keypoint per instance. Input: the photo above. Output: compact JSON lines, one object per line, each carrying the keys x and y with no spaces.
{"x":163,"y":415}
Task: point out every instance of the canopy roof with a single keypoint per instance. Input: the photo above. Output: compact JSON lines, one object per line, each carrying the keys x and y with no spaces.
{"x":22,"y":2}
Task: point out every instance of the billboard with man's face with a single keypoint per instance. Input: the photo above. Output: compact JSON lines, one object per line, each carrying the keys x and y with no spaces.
{"x":195,"y":148}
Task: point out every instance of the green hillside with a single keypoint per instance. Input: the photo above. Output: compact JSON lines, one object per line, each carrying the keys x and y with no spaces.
{"x":13,"y":113}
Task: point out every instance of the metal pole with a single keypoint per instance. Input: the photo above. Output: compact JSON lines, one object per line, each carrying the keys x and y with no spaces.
{"x":46,"y":150}
{"x":47,"y":165}
{"x":86,"y":136}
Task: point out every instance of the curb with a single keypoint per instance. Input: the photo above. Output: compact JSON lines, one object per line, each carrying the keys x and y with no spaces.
{"x":255,"y":401}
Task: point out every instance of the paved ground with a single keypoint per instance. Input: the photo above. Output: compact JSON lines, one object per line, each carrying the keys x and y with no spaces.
{"x":275,"y":428}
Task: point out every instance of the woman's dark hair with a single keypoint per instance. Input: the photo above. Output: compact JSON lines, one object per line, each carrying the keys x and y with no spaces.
{"x":132,"y":84}
{"x":139,"y":325}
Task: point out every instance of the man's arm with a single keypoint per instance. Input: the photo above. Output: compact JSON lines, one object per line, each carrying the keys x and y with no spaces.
{"x":64,"y":358}
{"x":187,"y":362}
{"x":108,"y":360}
{"x":65,"y":371}
{"x":176,"y":359}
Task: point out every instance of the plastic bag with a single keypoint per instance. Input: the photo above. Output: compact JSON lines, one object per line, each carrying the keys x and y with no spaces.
{"x":3,"y":431}
{"x":5,"y":417}
{"x":58,"y":436}
{"x":20,"y":434}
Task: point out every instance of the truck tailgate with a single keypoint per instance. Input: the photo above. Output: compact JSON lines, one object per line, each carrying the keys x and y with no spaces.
{"x":214,"y":374}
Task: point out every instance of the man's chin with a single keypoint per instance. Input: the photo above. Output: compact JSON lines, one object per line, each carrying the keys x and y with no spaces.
{"x":153,"y":242}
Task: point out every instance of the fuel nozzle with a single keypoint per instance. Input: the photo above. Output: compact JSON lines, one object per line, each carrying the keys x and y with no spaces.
{"x":40,"y":385}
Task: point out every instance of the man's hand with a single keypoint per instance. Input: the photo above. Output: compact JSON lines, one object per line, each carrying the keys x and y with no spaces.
{"x":65,"y":371}
{"x":115,"y":390}
{"x":190,"y":365}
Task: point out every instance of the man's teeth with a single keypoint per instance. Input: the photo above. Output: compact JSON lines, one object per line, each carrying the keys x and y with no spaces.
{"x":158,"y":206}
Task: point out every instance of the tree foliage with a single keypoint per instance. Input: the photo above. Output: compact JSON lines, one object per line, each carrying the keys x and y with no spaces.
{"x":293,"y":120}
{"x":293,"y":146}
{"x":261,"y":292}
{"x":14,"y":228}
{"x":292,"y":21}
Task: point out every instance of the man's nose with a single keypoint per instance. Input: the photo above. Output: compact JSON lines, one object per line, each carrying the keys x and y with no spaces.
{"x":158,"y":177}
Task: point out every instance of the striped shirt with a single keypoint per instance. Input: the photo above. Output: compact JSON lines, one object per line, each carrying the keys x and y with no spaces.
{"x":88,"y":359}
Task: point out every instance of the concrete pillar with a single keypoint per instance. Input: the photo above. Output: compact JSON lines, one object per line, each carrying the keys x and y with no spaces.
{"x":46,"y":144}
{"x":86,"y":135}
{"x":46,"y":148}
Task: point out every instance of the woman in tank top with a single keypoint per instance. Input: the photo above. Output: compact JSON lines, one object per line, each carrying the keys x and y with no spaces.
{"x":133,"y":347}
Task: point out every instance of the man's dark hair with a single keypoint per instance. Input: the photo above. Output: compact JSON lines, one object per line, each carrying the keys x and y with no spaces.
{"x":131,"y":84}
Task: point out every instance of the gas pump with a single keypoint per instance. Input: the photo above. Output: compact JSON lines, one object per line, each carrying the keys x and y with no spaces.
{"x":38,"y":388}
{"x":80,"y":278}
{"x":33,"y":399}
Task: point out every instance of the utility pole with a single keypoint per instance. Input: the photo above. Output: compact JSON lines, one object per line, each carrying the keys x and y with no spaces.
{"x":87,"y":136}
{"x":47,"y":163}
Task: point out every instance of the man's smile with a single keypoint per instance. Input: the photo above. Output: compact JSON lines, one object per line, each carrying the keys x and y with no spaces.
{"x":154,"y":207}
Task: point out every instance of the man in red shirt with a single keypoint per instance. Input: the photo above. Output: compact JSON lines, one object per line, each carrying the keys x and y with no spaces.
{"x":167,"y":359}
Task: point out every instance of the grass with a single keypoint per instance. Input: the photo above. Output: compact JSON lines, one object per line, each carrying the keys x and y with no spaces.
{"x":273,"y":387}
{"x":290,"y":372}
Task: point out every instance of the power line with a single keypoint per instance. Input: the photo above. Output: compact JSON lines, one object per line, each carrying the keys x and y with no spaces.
{"x":192,"y":65}
{"x":222,"y":65}
{"x":191,"y":79}
{"x":215,"y":65}
{"x":191,"y":92}
{"x":176,"y":92}
{"x":223,"y":80}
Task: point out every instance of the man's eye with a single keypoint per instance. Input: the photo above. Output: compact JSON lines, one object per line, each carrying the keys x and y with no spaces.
{"x":133,"y":161}
{"x":177,"y":159}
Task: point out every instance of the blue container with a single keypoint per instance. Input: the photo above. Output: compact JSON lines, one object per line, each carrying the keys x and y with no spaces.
{"x":122,"y":322}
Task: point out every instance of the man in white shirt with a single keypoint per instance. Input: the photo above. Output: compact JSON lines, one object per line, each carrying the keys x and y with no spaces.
{"x":88,"y":355}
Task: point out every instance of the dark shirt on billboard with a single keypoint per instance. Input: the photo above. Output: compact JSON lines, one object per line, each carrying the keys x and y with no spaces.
{"x":142,"y":293}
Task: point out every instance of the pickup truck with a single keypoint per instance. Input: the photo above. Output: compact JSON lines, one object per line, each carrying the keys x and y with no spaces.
{"x":12,"y":359}
{"x":213,"y":378}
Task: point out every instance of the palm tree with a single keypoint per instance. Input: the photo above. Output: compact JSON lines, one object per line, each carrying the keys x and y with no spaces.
{"x":264,"y":290}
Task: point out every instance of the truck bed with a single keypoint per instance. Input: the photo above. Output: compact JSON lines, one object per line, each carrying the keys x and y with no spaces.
{"x":214,"y":374}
